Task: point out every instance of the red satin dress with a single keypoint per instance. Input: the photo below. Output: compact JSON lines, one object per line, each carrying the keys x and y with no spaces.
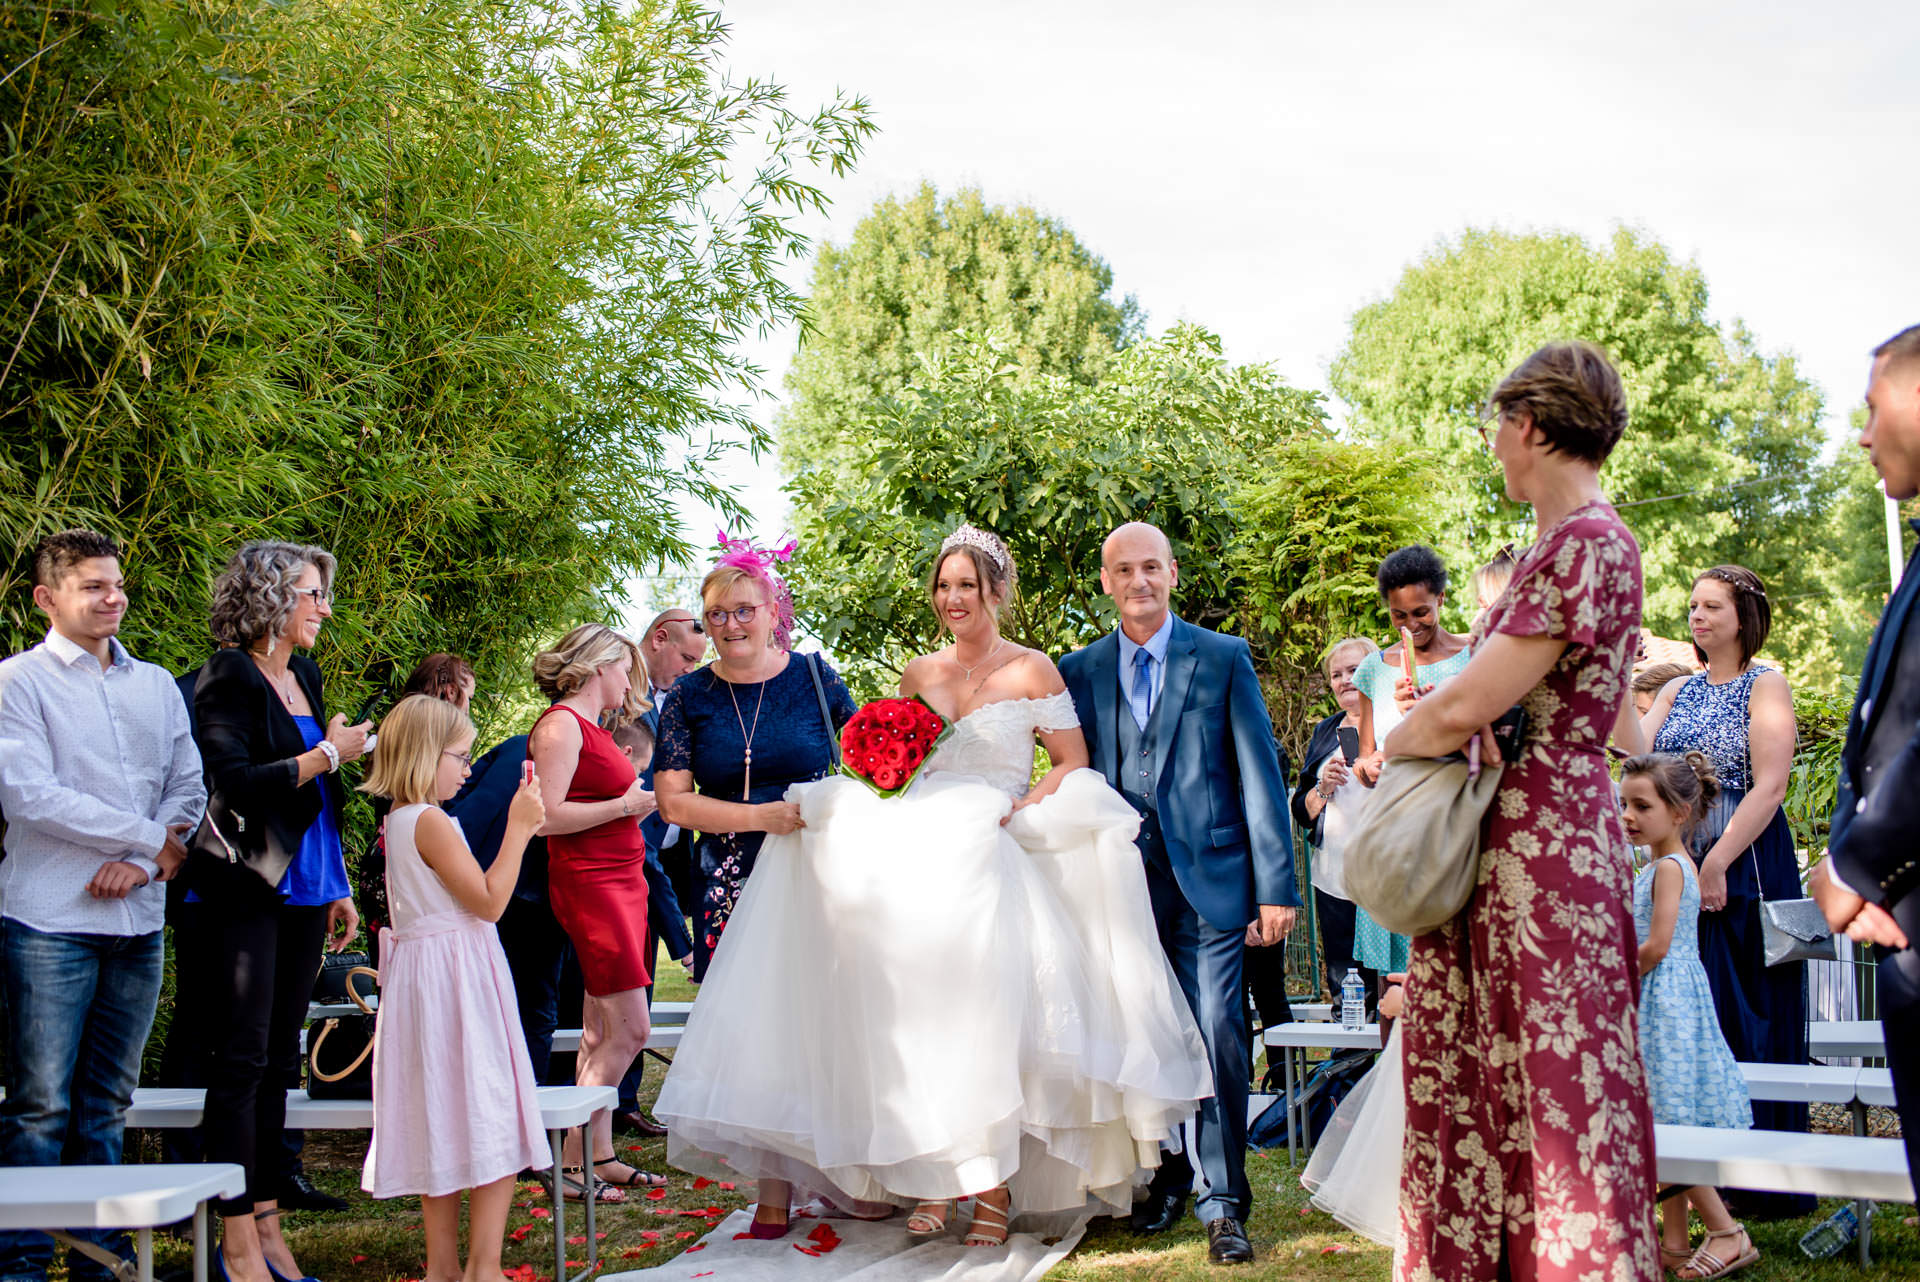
{"x":597,"y":877}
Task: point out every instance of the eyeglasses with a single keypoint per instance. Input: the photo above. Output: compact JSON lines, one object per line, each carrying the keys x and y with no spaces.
{"x":464,"y":758}
{"x":743,"y":614}
{"x":321,"y":596}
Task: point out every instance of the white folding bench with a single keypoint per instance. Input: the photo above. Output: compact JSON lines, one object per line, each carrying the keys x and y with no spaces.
{"x":1848,"y":1166}
{"x":1832,"y":1038}
{"x":58,"y":1198}
{"x":561,"y":1109}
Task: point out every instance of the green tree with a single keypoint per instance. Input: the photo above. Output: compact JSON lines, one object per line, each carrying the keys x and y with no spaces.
{"x":1308,"y":534}
{"x":917,"y":272}
{"x":452,"y":289}
{"x":1051,"y":466}
{"x":1722,"y":461}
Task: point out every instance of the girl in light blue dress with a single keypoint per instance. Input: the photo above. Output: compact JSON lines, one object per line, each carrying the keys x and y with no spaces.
{"x":1692,"y":1076}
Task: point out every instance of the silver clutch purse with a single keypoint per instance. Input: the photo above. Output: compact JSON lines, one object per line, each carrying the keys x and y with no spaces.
{"x":1795,"y":930}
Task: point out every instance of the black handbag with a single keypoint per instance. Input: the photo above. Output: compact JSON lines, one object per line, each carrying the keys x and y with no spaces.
{"x":340,"y":1047}
{"x":330,"y":985}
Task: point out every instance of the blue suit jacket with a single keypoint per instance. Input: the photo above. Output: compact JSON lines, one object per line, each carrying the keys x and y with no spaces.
{"x":1875,"y":838}
{"x":1221,"y":794}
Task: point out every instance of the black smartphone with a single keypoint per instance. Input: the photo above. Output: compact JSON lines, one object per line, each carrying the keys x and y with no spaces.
{"x":367,"y":709}
{"x":1509,"y":729}
{"x":1350,"y":743}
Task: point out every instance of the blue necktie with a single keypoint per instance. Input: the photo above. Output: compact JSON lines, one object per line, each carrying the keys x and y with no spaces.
{"x":1142,"y":696}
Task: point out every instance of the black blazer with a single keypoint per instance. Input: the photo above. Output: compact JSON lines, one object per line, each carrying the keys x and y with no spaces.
{"x":248,"y":741}
{"x":1324,"y":743}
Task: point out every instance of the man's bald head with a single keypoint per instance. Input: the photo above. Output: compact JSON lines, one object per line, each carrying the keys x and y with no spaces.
{"x":1135,"y":539}
{"x":674,"y":646}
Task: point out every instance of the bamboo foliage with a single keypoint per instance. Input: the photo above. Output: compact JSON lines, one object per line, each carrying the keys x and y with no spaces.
{"x":453,"y":289}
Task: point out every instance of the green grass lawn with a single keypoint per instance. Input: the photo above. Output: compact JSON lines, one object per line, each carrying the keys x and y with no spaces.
{"x":380,"y":1241}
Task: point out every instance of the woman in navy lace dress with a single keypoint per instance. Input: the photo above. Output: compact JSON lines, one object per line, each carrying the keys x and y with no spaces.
{"x":1740,"y":714}
{"x":736,"y":733}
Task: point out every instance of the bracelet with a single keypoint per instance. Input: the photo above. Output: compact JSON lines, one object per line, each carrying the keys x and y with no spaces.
{"x":331,"y":753}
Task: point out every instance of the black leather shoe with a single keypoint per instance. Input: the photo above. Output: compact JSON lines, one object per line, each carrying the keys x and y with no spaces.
{"x":637,"y":1123}
{"x":1160,"y":1212}
{"x":299,"y":1194}
{"x":1227,"y":1241}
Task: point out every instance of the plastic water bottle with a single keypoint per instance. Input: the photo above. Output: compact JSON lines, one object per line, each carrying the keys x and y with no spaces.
{"x":1831,"y":1235}
{"x":1353,"y":1000}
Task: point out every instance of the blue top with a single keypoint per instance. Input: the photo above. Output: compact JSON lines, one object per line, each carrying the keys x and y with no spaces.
{"x":318,"y":874}
{"x":1712,"y":719}
{"x":705,"y":723}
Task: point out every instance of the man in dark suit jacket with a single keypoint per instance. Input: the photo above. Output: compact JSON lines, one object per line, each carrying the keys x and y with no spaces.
{"x":1175,"y":721}
{"x":1869,"y":884}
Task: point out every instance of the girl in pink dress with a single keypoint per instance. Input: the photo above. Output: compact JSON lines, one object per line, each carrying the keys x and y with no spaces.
{"x":453,"y":1090}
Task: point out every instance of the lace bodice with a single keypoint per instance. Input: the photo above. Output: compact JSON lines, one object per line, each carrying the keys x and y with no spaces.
{"x":994,"y":742}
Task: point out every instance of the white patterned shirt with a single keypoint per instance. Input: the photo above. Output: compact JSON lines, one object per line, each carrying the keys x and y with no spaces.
{"x":95,"y":764}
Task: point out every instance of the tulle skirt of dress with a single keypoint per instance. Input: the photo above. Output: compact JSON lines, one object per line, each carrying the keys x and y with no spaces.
{"x":454,"y":1102}
{"x":912,"y":1001}
{"x":1354,"y":1173}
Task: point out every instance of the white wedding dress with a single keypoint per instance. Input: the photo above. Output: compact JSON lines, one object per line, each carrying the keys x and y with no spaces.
{"x":1354,"y":1173}
{"x":913,"y":1001}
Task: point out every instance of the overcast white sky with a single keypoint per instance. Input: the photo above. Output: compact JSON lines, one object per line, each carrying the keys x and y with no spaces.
{"x":1264,"y":169}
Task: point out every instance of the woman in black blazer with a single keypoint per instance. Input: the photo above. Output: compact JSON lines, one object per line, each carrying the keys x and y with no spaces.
{"x":1325,"y":782}
{"x":272,"y":876}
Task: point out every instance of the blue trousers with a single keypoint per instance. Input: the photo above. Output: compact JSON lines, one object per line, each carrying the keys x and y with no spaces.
{"x":79,"y":1008}
{"x":1207,"y":962}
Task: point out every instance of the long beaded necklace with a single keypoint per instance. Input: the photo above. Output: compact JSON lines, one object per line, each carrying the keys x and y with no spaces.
{"x":746,"y":778}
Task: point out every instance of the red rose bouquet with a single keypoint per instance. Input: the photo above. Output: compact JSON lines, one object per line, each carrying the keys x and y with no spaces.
{"x":885,"y":743}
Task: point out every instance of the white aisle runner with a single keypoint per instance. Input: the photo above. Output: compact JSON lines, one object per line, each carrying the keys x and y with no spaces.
{"x":820,"y":1250}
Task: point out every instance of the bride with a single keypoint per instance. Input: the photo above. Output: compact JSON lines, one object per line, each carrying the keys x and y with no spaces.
{"x":958,"y":992}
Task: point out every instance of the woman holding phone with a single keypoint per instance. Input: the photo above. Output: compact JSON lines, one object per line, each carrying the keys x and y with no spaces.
{"x":1413,"y":587}
{"x":1324,"y":802}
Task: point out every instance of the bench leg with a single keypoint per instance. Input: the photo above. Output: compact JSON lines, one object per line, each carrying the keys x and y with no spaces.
{"x":200,"y":1243}
{"x":593,"y":1200}
{"x":143,"y":1250}
{"x":1287,"y":1078}
{"x":556,"y":1139}
{"x":1861,"y":1209}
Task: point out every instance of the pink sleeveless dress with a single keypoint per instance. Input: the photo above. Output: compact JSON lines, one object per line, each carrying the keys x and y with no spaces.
{"x":453,"y":1090}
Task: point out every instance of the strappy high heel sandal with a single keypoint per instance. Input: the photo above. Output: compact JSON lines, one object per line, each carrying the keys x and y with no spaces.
{"x":989,"y":1226}
{"x":929,"y":1220}
{"x":1710,"y":1263}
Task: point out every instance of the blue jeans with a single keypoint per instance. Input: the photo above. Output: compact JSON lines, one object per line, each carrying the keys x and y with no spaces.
{"x":78,"y":1011}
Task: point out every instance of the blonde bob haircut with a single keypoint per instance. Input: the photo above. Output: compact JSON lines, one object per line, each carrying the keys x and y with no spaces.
{"x":580,"y":655}
{"x":721,"y":579}
{"x":412,"y":737}
{"x":1363,"y":644}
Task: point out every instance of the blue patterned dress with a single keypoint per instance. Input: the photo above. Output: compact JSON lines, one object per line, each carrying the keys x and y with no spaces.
{"x":1694,"y":1078}
{"x":705,"y":725}
{"x":1762,"y":1009}
{"x":1374,"y":946}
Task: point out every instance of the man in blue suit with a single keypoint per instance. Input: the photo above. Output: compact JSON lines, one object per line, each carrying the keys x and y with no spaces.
{"x":1869,"y":884}
{"x":1174,"y":719}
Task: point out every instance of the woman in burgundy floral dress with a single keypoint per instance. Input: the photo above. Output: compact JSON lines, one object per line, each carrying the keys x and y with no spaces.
{"x":1529,"y":1147}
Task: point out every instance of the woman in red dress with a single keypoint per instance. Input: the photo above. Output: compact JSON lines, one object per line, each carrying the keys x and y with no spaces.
{"x":1529,"y":1140}
{"x":596,"y":865}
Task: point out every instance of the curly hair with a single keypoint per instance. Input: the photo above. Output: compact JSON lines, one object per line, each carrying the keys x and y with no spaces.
{"x":580,"y":655}
{"x":58,"y":553}
{"x":1416,"y":564}
{"x":254,"y":596}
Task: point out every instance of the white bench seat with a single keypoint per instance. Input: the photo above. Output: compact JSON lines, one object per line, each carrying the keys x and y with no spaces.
{"x":1838,"y":1038}
{"x":141,"y":1198}
{"x":1801,"y":1083}
{"x":1876,"y":1087}
{"x":566,"y":1041}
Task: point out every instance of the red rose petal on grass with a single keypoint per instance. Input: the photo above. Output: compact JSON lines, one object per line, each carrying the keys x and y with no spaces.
{"x":656,"y":1195}
{"x":697,"y":1246}
{"x":632,"y":1253}
{"x":541,"y":1213}
{"x":518,"y":1235}
{"x":359,"y":1259}
{"x":523,"y":1273}
{"x":686,"y":1234}
{"x":702,"y":1182}
{"x":573,"y":1264}
{"x":649,"y":1236}
{"x":576,"y":1239}
{"x":726,"y":1186}
{"x":1335,"y":1249}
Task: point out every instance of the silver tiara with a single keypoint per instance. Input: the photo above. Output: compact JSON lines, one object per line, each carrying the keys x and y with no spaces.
{"x":975,"y":537}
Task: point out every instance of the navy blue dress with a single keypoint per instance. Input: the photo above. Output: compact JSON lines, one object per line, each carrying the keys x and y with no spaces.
{"x":705,"y":723}
{"x":1762,"y":1009}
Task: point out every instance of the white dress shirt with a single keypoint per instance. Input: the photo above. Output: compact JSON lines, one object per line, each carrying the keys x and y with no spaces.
{"x":95,"y":764}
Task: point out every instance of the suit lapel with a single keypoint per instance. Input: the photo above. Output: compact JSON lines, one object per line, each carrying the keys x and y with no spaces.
{"x":1103,"y":668}
{"x":1181,"y":661}
{"x":1886,"y":651}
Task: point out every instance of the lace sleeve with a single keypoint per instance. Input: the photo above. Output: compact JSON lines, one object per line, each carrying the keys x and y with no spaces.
{"x":673,"y":750}
{"x":1055,"y":712}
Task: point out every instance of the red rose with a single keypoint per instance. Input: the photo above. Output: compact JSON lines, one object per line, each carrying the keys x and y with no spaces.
{"x":886,"y":778}
{"x":895,"y":755}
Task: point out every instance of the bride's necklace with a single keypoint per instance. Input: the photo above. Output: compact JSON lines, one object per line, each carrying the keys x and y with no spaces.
{"x":966,"y":673}
{"x":746,"y":778}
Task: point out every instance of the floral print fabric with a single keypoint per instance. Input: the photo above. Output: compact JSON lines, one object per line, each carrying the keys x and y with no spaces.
{"x":1529,"y":1135}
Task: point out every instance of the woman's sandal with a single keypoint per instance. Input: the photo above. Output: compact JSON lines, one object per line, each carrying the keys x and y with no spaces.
{"x":636,"y":1178}
{"x":1708,"y":1263}
{"x":1673,"y":1259}
{"x":994,"y":1231}
{"x":929,"y":1220}
{"x":573,"y":1184}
